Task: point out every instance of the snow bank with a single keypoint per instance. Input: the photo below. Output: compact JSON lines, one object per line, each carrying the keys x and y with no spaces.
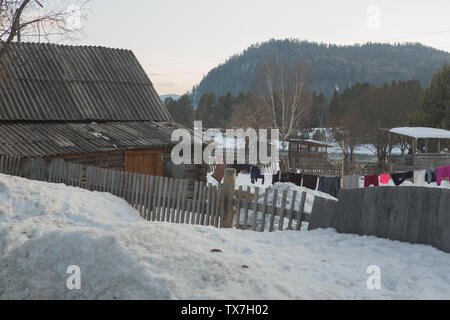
{"x":44,"y":228}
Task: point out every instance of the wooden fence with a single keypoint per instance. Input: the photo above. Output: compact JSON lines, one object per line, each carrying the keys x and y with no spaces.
{"x":166,"y":199}
{"x":410,"y":214}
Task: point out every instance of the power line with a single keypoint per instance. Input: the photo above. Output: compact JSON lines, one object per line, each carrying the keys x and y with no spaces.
{"x":416,"y":35}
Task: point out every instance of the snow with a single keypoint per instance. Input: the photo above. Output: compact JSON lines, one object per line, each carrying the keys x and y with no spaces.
{"x":422,"y":132}
{"x":44,"y":228}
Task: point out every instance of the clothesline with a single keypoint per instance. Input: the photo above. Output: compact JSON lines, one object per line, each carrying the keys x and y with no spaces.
{"x":332,"y":184}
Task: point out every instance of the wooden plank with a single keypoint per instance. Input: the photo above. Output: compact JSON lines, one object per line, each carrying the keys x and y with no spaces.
{"x":213,"y":208}
{"x":222,"y":206}
{"x":427,"y":217}
{"x":413,"y":214}
{"x":158,"y":206}
{"x":398,"y":213}
{"x":301,"y":212}
{"x":155,"y":197}
{"x":170,"y":199}
{"x":369,"y":212}
{"x":208,"y":205}
{"x":188,"y":210}
{"x":290,"y":213}
{"x":218,"y":206}
{"x":183,"y":202}
{"x":273,"y":210}
{"x":194,"y":203}
{"x":246,"y":204}
{"x":176,"y":202}
{"x":165,"y":199}
{"x":384,"y":204}
{"x":264,"y":210}
{"x":442,"y":241}
{"x":238,"y":208}
{"x":255,"y":208}
{"x":282,"y":209}
{"x":201,"y":196}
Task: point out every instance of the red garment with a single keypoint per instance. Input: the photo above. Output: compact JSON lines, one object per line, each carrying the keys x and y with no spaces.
{"x":384,"y":178}
{"x":371,"y":180}
{"x":442,"y":172}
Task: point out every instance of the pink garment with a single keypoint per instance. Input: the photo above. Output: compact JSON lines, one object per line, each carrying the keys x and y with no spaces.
{"x":384,"y":178}
{"x":442,"y":172}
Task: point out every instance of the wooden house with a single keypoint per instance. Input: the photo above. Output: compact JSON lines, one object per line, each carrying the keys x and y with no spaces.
{"x":304,"y":151}
{"x":90,"y":105}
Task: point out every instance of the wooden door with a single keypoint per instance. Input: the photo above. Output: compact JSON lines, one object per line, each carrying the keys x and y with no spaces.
{"x":144,"y":162}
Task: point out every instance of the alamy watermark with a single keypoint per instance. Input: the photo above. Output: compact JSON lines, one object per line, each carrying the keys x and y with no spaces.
{"x":374,"y":17}
{"x":73,"y":282}
{"x":374,"y":280}
{"x":257,"y":146}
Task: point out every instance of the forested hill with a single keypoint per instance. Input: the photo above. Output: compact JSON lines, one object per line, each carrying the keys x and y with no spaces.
{"x":329,"y":65}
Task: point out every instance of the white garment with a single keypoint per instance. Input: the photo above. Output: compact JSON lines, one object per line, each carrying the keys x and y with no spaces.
{"x":419,"y":178}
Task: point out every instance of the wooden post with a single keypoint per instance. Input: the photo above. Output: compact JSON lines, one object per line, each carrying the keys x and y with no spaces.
{"x":229,"y":182}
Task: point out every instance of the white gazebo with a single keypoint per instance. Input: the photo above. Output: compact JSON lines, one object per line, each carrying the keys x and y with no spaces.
{"x":417,"y":133}
{"x":420,"y":160}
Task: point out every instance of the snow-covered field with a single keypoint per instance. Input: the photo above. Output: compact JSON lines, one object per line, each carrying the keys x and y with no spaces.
{"x":44,"y":228}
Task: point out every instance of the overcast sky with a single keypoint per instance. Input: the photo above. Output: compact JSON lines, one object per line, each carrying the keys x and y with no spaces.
{"x":179,"y":41}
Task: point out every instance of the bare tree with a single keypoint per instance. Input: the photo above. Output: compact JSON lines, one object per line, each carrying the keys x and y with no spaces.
{"x":37,"y":20}
{"x":284,"y":95}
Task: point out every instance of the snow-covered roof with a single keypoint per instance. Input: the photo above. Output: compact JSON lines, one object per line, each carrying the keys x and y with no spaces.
{"x":422,"y":132}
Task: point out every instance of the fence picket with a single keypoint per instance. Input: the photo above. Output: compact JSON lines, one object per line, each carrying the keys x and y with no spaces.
{"x":238,"y":208}
{"x":246,"y":202}
{"x":183,"y":202}
{"x":301,"y":211}
{"x":194,"y":203}
{"x":255,"y":208}
{"x":273,"y":210}
{"x":264,"y":210}
{"x":291,"y":209}
{"x":282,"y":210}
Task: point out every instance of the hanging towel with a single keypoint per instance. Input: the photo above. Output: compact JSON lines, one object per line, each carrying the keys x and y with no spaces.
{"x":442,"y":172}
{"x":419,"y":178}
{"x":351,"y":182}
{"x":330,"y":185}
{"x":310,"y":181}
{"x":371,"y":180}
{"x":399,"y":178}
{"x":384,"y":178}
{"x":285,"y":177}
{"x":296,"y":179}
{"x":276,"y":177}
{"x":430,"y":175}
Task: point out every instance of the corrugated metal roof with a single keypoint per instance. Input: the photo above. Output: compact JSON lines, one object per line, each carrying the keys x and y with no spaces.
{"x":47,"y":82}
{"x":56,"y":138}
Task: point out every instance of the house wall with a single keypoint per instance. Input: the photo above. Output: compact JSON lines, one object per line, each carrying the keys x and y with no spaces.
{"x":116,"y":160}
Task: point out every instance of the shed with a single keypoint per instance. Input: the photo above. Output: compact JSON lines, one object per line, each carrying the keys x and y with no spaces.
{"x":85,"y":104}
{"x":416,"y":159}
{"x":305,"y":150}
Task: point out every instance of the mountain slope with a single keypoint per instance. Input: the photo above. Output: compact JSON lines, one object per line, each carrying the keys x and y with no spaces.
{"x":329,"y":65}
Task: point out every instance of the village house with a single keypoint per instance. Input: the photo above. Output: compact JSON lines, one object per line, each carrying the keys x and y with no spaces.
{"x":89,"y":105}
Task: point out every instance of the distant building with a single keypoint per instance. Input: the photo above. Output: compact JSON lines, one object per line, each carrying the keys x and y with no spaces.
{"x":303,"y":151}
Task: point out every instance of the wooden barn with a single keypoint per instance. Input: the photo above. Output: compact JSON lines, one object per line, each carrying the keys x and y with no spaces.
{"x":90,"y":105}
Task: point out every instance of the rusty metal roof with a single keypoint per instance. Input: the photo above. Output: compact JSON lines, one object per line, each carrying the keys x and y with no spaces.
{"x":25,"y":139}
{"x":48,"y":82}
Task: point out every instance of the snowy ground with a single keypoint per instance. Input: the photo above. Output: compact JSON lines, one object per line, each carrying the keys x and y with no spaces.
{"x":44,"y":228}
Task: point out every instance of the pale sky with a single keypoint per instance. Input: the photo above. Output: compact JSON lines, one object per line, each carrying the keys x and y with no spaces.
{"x":179,"y":41}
